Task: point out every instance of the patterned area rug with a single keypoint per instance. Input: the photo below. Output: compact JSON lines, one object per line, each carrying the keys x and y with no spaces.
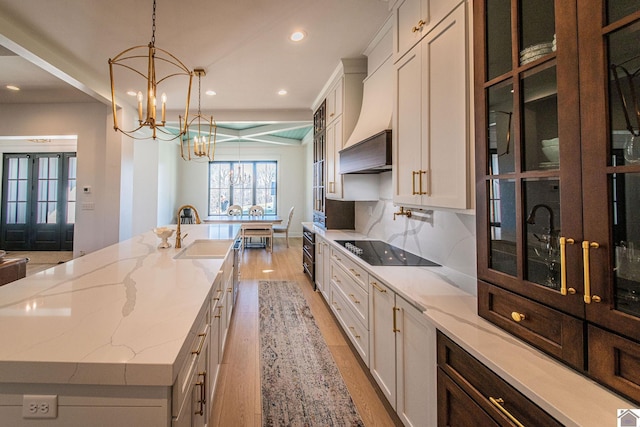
{"x":301,"y":384}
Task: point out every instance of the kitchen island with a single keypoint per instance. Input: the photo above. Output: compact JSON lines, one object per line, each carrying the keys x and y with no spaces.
{"x":107,"y":335}
{"x":447,"y":300}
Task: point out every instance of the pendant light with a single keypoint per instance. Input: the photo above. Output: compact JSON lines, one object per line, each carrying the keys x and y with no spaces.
{"x":196,"y":144}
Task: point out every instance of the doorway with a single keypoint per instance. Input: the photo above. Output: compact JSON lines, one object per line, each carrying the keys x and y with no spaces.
{"x":38,"y":201}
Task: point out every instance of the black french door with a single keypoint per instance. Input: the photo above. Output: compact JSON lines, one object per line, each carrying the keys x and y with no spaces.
{"x":38,"y":201}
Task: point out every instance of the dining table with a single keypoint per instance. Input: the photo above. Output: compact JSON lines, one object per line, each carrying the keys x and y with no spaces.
{"x":243,"y":219}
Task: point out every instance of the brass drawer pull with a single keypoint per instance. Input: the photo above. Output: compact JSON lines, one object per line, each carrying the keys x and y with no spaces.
{"x":375,"y":285}
{"x":518,"y":317}
{"x":202,"y":340}
{"x":395,"y":328}
{"x":586,"y":248}
{"x":203,"y":392}
{"x":423,"y":172}
{"x":498,"y":404}
{"x":564,"y":241}
{"x":355,"y":273}
{"x":354,"y":332}
{"x":413,"y":183}
{"x":418,"y":27}
{"x":354,"y":299}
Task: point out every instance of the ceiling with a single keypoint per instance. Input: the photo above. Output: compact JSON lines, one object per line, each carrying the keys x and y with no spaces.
{"x":58,"y":52}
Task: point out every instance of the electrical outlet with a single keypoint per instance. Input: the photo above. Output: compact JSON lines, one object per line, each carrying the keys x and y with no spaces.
{"x":39,"y":406}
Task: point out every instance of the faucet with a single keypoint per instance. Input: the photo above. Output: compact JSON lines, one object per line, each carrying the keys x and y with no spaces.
{"x":402,"y":212}
{"x":531,"y":219}
{"x":178,"y":234}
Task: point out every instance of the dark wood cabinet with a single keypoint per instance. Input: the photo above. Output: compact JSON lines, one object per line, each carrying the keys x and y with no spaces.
{"x":309,"y":254}
{"x":558,"y":179}
{"x":470,"y":394}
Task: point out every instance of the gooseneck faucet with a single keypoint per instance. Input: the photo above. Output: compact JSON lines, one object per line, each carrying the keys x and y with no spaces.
{"x":178,"y":234}
{"x":531,"y":219}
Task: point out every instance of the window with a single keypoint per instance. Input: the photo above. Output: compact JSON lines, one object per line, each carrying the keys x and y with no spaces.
{"x":245,"y":183}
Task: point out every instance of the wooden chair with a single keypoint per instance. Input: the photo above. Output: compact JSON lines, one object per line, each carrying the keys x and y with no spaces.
{"x":256,"y":210}
{"x":234,"y":210}
{"x":262,"y":230}
{"x":284,"y":228}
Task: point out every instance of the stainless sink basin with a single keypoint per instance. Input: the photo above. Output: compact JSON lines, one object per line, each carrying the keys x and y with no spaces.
{"x":205,"y":248}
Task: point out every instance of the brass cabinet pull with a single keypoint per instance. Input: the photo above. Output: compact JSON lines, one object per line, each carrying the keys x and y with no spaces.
{"x":375,"y":285}
{"x":426,"y":173}
{"x":518,"y":317}
{"x":586,"y":247}
{"x":498,"y":404}
{"x":413,"y":182}
{"x":354,"y":299}
{"x":202,"y":336}
{"x":564,"y":241}
{"x":355,"y":273}
{"x":229,"y":290}
{"x":354,"y":332}
{"x":203,"y":392}
{"x":395,"y":329}
{"x":336,"y":304}
{"x":418,"y":27}
{"x":332,"y":187}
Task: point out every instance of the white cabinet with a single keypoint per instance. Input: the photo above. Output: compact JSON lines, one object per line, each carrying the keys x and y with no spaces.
{"x":332,"y":160}
{"x":402,"y":355}
{"x":413,"y":19}
{"x":349,"y":300}
{"x":431,"y":140}
{"x":323,"y":273}
{"x":334,"y":101}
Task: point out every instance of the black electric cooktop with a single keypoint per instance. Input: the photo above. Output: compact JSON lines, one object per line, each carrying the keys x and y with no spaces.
{"x":376,"y":252}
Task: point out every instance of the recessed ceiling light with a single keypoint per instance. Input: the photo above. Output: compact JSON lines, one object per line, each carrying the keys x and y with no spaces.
{"x":132,"y":93}
{"x":282,"y":92}
{"x":297,"y":36}
{"x":12,"y":87}
{"x":210,"y":92}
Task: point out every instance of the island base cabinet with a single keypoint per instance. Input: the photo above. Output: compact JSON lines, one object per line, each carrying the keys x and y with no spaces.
{"x":87,"y":406}
{"x":465,"y":384}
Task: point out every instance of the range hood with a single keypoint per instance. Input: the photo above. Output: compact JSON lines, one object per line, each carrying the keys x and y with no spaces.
{"x":368,"y":149}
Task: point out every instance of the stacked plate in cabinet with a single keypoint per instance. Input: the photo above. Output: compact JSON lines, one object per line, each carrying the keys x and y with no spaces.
{"x":537,"y":51}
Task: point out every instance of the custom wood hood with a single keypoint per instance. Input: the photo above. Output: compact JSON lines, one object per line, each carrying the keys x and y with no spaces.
{"x":373,"y":155}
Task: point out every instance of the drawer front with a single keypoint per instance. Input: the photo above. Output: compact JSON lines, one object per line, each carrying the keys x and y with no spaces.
{"x":615,"y":362}
{"x":555,"y":333}
{"x":354,"y":329}
{"x":357,"y":273}
{"x":487,"y":389}
{"x":356,"y":297}
{"x":457,"y":408}
{"x":182,"y":385}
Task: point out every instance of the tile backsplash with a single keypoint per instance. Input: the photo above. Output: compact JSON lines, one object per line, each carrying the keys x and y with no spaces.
{"x":446,"y":237}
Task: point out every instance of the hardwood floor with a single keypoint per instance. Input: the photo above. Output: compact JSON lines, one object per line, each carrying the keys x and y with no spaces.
{"x":238,"y":401}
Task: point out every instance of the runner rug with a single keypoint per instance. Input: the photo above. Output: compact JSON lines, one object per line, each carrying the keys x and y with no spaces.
{"x":300,"y":382}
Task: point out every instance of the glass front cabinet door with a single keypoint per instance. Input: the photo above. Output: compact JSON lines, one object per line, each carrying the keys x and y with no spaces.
{"x":557,"y":92}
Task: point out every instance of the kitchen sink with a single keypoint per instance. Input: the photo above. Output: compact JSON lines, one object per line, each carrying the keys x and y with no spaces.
{"x":205,"y":248}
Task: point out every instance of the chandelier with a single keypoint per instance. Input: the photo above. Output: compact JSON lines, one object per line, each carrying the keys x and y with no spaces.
{"x":154,"y":66}
{"x":201,"y":147}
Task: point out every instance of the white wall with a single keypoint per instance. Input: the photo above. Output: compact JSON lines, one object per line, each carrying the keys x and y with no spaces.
{"x":293,"y":186}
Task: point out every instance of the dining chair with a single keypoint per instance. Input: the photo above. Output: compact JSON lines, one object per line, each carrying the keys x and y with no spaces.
{"x":256,"y":210}
{"x":234,"y":210}
{"x":284,"y":228}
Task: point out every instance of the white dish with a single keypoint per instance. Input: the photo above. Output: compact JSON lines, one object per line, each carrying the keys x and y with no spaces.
{"x":550,"y":142}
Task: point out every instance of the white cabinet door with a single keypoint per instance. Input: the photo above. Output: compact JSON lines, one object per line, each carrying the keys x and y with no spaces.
{"x":431,"y":133}
{"x":334,"y":101}
{"x":334,"y":140}
{"x":382,"y":349}
{"x":407,"y":31}
{"x":416,"y":367}
{"x":320,"y":255}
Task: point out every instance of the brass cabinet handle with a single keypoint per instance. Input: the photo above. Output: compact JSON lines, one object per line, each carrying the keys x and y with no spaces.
{"x":354,"y":299}
{"x":426,"y":173}
{"x":564,"y":241}
{"x":202,"y":339}
{"x":355,"y":273}
{"x":395,"y":309}
{"x":418,"y":27}
{"x":203,"y":392}
{"x":354,"y":332}
{"x":375,"y":285}
{"x":518,"y":317}
{"x":586,"y":247}
{"x":413,"y":182}
{"x":336,"y":304}
{"x":229,"y":290}
{"x":498,"y":404}
{"x":332,"y":186}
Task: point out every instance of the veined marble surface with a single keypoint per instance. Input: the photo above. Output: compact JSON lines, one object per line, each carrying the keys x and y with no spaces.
{"x":440,"y":292}
{"x":119,"y":316}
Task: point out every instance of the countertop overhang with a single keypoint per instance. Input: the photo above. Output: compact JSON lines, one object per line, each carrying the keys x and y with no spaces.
{"x":119,"y":316}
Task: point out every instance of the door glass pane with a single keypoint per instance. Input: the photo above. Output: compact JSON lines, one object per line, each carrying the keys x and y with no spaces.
{"x":71,"y":191}
{"x":21,"y":215}
{"x":537,"y":22}
{"x":266,"y":186}
{"x":23,"y":168}
{"x":542,"y":225}
{"x":624,"y":92}
{"x":500,"y":129}
{"x":626,"y":236}
{"x":617,"y":9}
{"x":540,"y":120}
{"x":22,"y":190}
{"x":498,"y":38}
{"x":502,"y":225}
{"x":12,"y":169}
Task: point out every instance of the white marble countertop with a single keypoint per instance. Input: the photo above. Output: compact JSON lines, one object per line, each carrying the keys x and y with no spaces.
{"x":571,"y":398}
{"x":119,"y":316}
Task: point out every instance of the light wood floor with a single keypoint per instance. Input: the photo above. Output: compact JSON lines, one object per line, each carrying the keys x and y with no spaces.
{"x":238,"y":400}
